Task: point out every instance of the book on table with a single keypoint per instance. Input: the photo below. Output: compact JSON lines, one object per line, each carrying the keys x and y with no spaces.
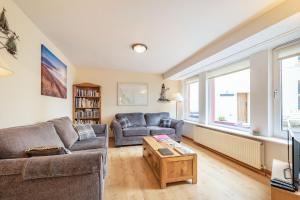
{"x":165,"y":152}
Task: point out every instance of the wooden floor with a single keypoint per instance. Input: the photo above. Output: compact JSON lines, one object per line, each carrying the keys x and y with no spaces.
{"x":130,"y":177}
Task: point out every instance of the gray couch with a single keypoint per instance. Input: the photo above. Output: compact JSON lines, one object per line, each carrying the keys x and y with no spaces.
{"x":76,"y":176}
{"x":144,"y":125}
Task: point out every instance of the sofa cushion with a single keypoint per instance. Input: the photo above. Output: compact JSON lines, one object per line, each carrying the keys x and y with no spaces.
{"x":156,"y":130}
{"x":136,"y":119}
{"x":65,"y":130}
{"x":92,"y":143}
{"x":136,"y":131}
{"x":153,"y":119}
{"x":14,"y":141}
{"x":84,"y":131}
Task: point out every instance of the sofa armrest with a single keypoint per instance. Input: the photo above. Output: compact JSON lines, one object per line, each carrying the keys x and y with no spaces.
{"x":116,"y":128}
{"x":100,"y":129}
{"x":178,"y":126}
{"x":63,"y":165}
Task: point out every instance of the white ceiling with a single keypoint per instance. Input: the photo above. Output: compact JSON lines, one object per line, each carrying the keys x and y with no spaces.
{"x":98,"y":33}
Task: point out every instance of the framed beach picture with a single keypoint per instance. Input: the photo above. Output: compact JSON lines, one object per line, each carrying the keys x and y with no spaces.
{"x":133,"y":94}
{"x":53,"y":75}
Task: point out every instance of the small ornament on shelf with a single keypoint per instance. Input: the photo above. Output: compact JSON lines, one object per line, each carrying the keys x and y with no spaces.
{"x":163,"y":94}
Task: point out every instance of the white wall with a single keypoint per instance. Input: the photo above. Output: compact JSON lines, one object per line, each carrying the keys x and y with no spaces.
{"x":21,"y":101}
{"x":261,"y":92}
{"x":108,"y":79}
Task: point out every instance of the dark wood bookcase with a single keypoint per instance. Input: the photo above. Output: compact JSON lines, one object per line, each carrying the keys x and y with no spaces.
{"x":86,"y":103}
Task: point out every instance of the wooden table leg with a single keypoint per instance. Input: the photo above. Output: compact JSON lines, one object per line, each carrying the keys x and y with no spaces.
{"x":163,"y":185}
{"x":194,"y":180}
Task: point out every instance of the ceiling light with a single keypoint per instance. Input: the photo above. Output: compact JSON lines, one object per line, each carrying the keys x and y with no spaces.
{"x":139,"y":48}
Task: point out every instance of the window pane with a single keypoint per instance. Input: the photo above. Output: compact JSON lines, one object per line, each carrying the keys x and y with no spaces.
{"x":230,"y":101}
{"x":194,"y":100}
{"x":290,"y":84}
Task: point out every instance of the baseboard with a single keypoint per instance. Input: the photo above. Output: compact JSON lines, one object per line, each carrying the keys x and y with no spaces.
{"x":264,"y":172}
{"x":186,"y":137}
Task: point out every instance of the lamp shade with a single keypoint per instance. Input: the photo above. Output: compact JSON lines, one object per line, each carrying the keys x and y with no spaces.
{"x":5,"y":72}
{"x":178,"y":97}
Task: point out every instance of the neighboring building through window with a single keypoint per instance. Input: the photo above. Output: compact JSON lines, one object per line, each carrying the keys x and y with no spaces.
{"x":230,"y":99}
{"x":192,"y":94}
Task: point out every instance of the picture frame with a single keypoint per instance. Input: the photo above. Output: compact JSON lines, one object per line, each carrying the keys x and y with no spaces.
{"x":132,"y":94}
{"x":53,"y":75}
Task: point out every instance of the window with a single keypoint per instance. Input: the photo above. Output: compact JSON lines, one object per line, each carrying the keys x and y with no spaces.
{"x":286,"y":88}
{"x":192,"y":103}
{"x":298,"y":94}
{"x":229,"y":97}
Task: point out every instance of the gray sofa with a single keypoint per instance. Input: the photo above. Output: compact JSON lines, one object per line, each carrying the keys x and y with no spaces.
{"x":76,"y":176}
{"x":144,"y":125}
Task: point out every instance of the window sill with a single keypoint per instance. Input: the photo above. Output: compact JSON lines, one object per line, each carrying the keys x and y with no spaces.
{"x":239,"y":133}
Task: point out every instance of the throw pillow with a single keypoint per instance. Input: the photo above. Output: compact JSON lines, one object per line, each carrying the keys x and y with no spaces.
{"x":46,"y":151}
{"x":125,"y":123}
{"x":84,"y":131}
{"x":165,"y":122}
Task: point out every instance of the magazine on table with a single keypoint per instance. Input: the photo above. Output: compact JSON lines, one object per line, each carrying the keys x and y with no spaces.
{"x":184,"y":150}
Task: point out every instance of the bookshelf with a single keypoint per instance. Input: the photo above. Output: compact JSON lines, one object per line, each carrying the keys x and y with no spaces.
{"x":86,"y":103}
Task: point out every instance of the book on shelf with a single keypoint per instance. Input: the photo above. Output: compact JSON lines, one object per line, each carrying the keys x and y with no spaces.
{"x":87,"y":113}
{"x":85,"y":121}
{"x":87,"y":93}
{"x":86,"y":103}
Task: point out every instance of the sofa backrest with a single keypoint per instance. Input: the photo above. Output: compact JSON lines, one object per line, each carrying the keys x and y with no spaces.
{"x":14,"y":141}
{"x":153,"y":119}
{"x":136,"y":119}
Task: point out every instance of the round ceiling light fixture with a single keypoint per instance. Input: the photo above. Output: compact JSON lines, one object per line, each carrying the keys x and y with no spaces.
{"x":139,"y":47}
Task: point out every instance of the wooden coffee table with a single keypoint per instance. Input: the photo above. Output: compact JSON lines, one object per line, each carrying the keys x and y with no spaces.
{"x":171,"y":168}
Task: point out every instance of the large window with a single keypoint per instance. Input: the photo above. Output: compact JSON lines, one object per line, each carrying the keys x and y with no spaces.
{"x":192,"y":104}
{"x":287,"y":88}
{"x":230,"y":99}
{"x":290,"y":72}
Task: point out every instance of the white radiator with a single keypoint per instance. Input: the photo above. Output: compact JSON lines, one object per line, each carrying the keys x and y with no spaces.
{"x":242,"y":149}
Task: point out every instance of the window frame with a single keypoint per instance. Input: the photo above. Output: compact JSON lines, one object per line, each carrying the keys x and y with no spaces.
{"x":277,"y":87}
{"x":210,"y":94}
{"x":187,"y":102}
